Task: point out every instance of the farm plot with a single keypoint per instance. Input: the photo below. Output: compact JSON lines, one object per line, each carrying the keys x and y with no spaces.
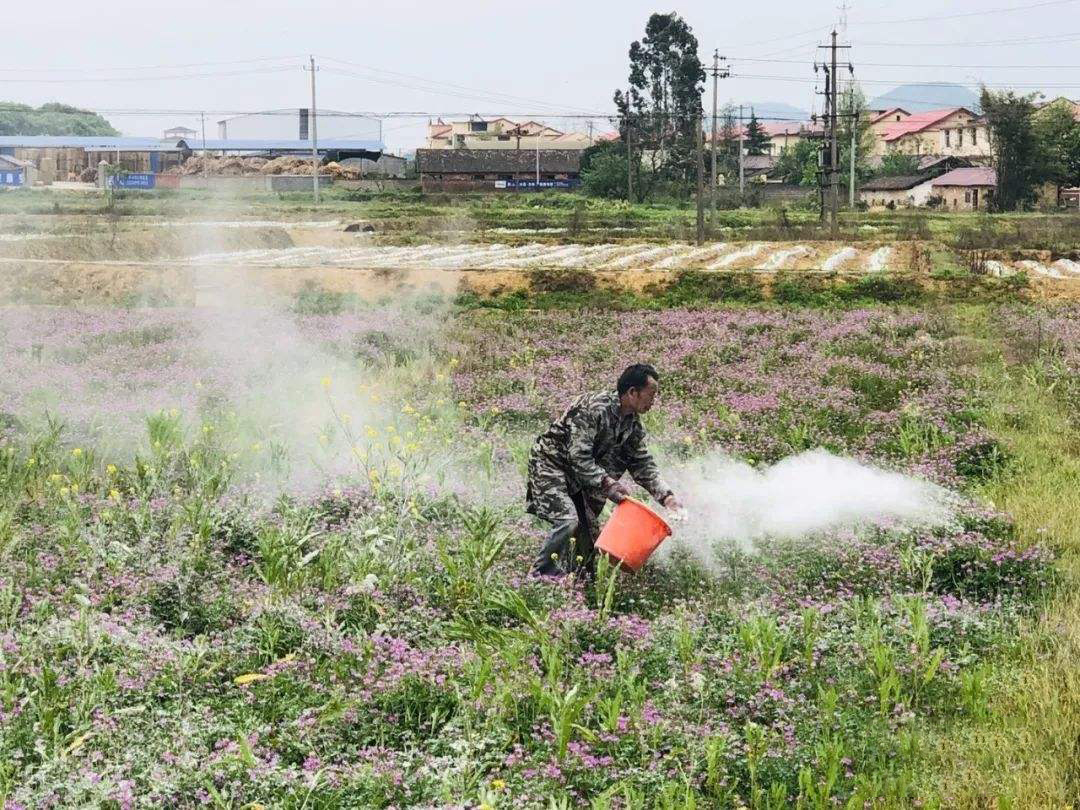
{"x":187,"y":622}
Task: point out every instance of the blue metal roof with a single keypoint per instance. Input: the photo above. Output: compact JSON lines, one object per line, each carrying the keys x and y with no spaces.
{"x":112,"y":144}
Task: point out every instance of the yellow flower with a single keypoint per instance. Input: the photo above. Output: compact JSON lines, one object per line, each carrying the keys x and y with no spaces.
{"x":77,"y":452}
{"x":326,"y":383}
{"x":114,"y":494}
{"x":323,"y":438}
{"x":251,"y":677}
{"x":498,"y":784}
{"x":30,"y":462}
{"x":173,"y":412}
{"x":63,"y":492}
{"x":111,"y":469}
{"x":255,"y":448}
{"x":371,"y":432}
{"x":453,"y":361}
{"x":74,"y":489}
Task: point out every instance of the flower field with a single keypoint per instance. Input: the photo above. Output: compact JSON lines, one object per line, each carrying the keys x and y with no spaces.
{"x":280,"y":560}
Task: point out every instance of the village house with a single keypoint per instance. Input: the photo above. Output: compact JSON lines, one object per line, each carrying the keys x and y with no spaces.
{"x":880,"y":120}
{"x":501,"y":133}
{"x":952,"y":131}
{"x":966,"y":189}
{"x":497,"y":169}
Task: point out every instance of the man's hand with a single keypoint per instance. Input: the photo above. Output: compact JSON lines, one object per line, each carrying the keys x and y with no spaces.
{"x":672,"y":503}
{"x":615,"y":490}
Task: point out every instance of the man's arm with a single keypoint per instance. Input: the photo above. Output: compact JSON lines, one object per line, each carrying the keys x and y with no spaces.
{"x":642,"y":466}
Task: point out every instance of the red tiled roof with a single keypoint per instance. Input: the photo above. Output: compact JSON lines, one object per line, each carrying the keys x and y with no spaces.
{"x":975,"y":176}
{"x":919,"y":122}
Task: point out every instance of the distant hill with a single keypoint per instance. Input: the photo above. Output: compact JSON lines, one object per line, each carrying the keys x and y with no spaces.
{"x":774,"y":110}
{"x":51,"y":119}
{"x":917,"y":98}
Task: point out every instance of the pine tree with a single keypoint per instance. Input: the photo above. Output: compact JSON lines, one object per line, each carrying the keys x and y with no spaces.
{"x":757,"y":140}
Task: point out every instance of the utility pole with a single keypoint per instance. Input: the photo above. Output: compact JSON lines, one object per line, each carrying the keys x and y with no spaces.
{"x":629,"y":153}
{"x":851,"y":174}
{"x":831,"y":91}
{"x":700,"y":126}
{"x":834,"y":176}
{"x":538,"y":161}
{"x":716,"y":74}
{"x":202,"y":117}
{"x":742,"y":174}
{"x":314,"y":138}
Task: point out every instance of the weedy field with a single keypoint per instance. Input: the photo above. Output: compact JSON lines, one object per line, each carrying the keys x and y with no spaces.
{"x":274,"y":554}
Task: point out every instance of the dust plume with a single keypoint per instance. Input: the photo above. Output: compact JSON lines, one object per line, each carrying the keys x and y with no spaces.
{"x":728,"y":502}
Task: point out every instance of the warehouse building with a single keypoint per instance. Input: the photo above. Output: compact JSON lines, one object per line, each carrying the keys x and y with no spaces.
{"x":497,"y":169}
{"x":72,"y":157}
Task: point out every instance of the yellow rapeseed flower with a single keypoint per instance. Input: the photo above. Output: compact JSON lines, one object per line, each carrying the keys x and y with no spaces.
{"x":114,"y":494}
{"x":173,"y":412}
{"x":77,"y":452}
{"x":498,"y":784}
{"x":111,"y":469}
{"x":30,"y":462}
{"x":371,"y":432}
{"x":326,"y":381}
{"x":63,"y":492}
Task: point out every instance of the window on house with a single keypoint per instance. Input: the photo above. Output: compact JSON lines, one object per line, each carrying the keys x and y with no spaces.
{"x":898,"y":118}
{"x":475,"y":177}
{"x":947,"y":137}
{"x":974,"y":139}
{"x":967,"y":196}
{"x":959,"y":137}
{"x":478,"y":126}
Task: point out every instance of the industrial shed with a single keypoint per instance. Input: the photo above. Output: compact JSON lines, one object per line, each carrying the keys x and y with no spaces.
{"x":905,"y":191}
{"x":491,"y":169}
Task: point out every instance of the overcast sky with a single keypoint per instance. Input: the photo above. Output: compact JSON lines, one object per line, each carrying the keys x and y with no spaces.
{"x":500,"y":57}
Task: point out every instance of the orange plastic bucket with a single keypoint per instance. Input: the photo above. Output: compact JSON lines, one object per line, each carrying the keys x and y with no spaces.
{"x":632,"y":534}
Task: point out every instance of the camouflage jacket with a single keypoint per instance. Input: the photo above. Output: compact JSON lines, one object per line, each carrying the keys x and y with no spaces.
{"x":592,"y":439}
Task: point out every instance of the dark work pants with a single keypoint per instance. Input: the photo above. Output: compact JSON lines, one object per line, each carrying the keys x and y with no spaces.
{"x":571,"y":539}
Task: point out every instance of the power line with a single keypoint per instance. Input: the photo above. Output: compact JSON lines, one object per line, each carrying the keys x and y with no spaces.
{"x":489,"y":94}
{"x":806,"y":80}
{"x":912,"y":64}
{"x":979,"y":13}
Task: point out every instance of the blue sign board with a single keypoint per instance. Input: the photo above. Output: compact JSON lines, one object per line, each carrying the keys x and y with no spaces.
{"x":11,"y":177}
{"x":532,"y":185}
{"x":132,"y":180}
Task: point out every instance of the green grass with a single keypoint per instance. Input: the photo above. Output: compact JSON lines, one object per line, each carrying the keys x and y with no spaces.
{"x":1025,"y":752}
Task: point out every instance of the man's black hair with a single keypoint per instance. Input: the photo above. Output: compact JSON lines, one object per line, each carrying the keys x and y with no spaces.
{"x":636,"y":376}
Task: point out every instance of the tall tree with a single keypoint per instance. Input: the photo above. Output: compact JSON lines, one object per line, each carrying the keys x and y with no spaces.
{"x":757,"y":140}
{"x":1014,"y":147}
{"x":1058,"y":135}
{"x":856,"y":116}
{"x":662,"y":108}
